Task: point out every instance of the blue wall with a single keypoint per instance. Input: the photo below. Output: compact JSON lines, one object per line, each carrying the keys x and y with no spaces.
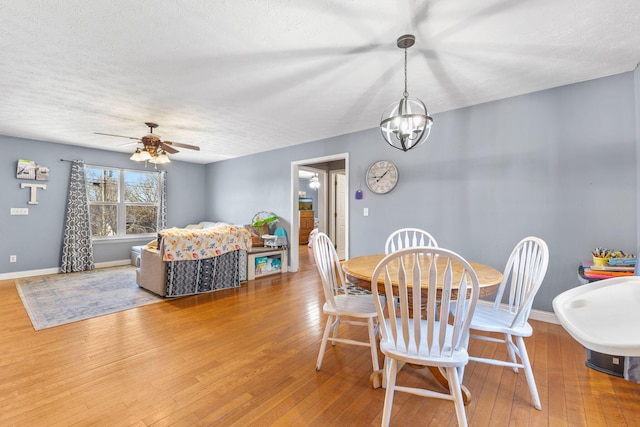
{"x":36,"y":239}
{"x":559,"y":164}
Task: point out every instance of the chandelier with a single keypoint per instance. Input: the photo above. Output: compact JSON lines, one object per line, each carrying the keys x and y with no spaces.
{"x":406,"y":124}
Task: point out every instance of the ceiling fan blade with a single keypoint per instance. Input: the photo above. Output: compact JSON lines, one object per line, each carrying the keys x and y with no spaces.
{"x":178,"y":144}
{"x":169,"y":149}
{"x":128,"y":143}
{"x":119,"y":136}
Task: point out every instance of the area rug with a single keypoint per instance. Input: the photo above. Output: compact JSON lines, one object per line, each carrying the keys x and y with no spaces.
{"x":58,"y":299}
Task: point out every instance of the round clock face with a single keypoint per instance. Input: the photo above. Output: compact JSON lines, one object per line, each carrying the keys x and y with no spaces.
{"x":382,"y":177}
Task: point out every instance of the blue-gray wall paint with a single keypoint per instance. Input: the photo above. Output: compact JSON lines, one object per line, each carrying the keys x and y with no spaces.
{"x":559,"y":164}
{"x":36,"y":239}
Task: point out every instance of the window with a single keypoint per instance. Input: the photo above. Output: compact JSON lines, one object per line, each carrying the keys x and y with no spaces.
{"x":122,"y":202}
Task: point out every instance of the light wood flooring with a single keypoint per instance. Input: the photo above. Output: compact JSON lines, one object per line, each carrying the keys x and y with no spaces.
{"x":247,"y":357}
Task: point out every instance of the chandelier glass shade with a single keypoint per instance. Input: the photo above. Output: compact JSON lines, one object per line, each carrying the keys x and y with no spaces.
{"x":406,"y":124}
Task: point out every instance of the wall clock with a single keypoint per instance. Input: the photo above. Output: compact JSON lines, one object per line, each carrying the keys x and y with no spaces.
{"x":382,"y":177}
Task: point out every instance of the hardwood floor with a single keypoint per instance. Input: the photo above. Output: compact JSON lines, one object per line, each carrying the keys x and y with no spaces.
{"x":247,"y":357}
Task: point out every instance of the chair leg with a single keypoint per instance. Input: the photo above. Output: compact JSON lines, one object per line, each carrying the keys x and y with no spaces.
{"x":323,"y":344}
{"x":372,"y":342}
{"x":461,"y":369}
{"x":456,"y":393}
{"x":461,"y":374}
{"x":385,"y":368}
{"x":508,"y":340}
{"x":528,"y":372}
{"x":391,"y":372}
{"x":335,"y":328}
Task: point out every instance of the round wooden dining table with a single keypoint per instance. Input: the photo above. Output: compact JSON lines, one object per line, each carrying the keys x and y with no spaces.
{"x":359,"y":271}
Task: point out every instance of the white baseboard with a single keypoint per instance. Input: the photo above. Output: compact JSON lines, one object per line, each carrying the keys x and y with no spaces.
{"x":29,"y":273}
{"x":544,"y":316}
{"x":113,"y":263}
{"x":56,"y":270}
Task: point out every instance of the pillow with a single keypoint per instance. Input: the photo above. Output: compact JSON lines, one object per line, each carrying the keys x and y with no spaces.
{"x":153,"y":244}
{"x":210,"y":224}
{"x":194,"y":226}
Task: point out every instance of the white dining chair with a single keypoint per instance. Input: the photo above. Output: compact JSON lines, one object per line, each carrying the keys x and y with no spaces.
{"x":340,"y":306}
{"x":408,"y":238}
{"x":419,"y":330}
{"x":508,"y":314}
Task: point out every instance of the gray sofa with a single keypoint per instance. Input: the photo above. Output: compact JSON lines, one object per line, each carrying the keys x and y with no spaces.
{"x":179,"y":278}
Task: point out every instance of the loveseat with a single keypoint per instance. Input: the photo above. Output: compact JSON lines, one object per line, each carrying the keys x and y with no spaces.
{"x":199,"y":258}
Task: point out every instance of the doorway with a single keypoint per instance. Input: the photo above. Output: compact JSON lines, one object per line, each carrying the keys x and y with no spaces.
{"x":333,"y":192}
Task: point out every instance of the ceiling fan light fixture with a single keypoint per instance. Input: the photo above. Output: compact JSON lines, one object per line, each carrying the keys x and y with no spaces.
{"x":314,"y":182}
{"x":144,"y":156}
{"x":154,"y":150}
{"x":160,"y":159}
{"x":406,"y":124}
{"x":163,"y":158}
{"x":136,"y":156}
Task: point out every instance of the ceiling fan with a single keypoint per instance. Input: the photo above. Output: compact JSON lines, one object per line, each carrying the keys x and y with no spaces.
{"x":154,"y":148}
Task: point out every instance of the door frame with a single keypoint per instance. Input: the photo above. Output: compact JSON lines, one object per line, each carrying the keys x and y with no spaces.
{"x":294,"y":248}
{"x":332,"y":219}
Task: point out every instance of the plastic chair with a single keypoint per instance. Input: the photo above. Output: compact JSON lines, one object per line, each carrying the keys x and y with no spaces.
{"x":339,"y":303}
{"x":408,"y":238}
{"x":419,"y":330}
{"x":522,"y":277}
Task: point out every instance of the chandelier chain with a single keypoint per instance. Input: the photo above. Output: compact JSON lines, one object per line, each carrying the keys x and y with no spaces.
{"x":406,"y":93}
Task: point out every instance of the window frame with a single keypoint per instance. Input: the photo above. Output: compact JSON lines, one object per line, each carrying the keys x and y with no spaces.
{"x":121,"y":203}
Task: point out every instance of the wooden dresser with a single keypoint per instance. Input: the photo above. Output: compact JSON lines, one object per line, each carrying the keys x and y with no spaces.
{"x":306,"y":226}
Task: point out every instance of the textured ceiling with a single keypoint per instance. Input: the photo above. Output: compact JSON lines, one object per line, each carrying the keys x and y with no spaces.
{"x":243,"y":76}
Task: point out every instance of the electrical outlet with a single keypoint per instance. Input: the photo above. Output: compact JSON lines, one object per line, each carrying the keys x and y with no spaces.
{"x":366,"y":212}
{"x":19,"y":211}
{"x":13,"y":258}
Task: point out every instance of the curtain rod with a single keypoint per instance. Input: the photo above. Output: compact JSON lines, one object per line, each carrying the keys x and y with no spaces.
{"x":155,"y":170}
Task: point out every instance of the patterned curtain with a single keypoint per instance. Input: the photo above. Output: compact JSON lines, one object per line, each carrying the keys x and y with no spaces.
{"x":77,"y":251}
{"x":162,"y":211}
